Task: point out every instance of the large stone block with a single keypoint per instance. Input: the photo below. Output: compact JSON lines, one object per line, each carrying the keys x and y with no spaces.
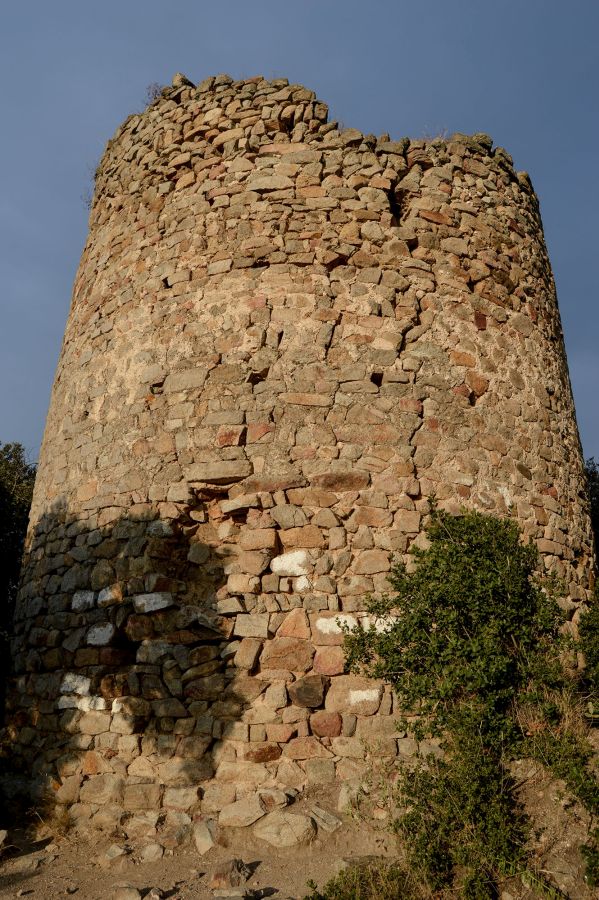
{"x":102,"y":789}
{"x":288,"y":653}
{"x":354,"y":694}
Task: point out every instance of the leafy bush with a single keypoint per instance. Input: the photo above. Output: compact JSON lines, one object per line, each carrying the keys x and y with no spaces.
{"x":16,"y":487}
{"x":589,"y":644}
{"x":592,"y":473}
{"x":370,"y":881}
{"x":471,"y":642}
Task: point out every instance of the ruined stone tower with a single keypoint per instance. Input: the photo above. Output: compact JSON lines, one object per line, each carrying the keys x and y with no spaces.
{"x":283,"y":339}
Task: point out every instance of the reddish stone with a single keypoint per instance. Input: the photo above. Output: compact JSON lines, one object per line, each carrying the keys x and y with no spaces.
{"x":462,"y":390}
{"x":306,"y":536}
{"x":329,"y":660}
{"x":306,"y":748}
{"x":431,"y":215}
{"x":288,"y":653}
{"x":280,"y":733}
{"x":312,"y":497}
{"x":460,"y":358}
{"x":93,"y":764}
{"x":326,"y":724}
{"x":370,"y":562}
{"x":261,"y":752}
{"x":295,"y":625}
{"x":408,"y":404}
{"x":372,"y":515}
{"x":258,"y":539}
{"x":230,"y":435}
{"x":342,"y":481}
{"x":138,"y":628}
{"x":258,"y":431}
{"x":480,"y":320}
{"x":478,"y":384}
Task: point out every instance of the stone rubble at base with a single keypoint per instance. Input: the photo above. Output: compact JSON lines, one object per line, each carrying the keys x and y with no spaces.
{"x":284,"y":338}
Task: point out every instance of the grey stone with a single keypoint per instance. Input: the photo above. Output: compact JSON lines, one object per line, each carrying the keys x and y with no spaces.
{"x":203,"y":836}
{"x":147,"y":603}
{"x":242,"y":812}
{"x":284,"y":829}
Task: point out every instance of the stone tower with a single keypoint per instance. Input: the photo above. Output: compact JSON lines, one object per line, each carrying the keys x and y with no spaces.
{"x":283,"y":339}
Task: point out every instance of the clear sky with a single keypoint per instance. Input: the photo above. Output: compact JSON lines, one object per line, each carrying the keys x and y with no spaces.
{"x":525,"y":71}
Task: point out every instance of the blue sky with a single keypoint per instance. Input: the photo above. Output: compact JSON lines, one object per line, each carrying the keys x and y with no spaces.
{"x":525,"y":71}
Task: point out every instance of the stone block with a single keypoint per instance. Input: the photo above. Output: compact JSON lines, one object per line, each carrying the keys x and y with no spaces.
{"x":247,"y":655}
{"x":297,"y":562}
{"x":141,"y":796}
{"x":100,"y":635}
{"x":216,"y":795}
{"x":253,"y":625}
{"x":68,"y":792}
{"x":94,"y":722}
{"x":83,"y":600}
{"x":110,"y":595}
{"x":279,"y":732}
{"x":308,"y":536}
{"x":189,"y":379}
{"x":288,"y":653}
{"x":198,"y":553}
{"x":370,"y":562}
{"x":295,"y":625}
{"x":348,"y":746}
{"x":148,"y":603}
{"x":354,"y":694}
{"x":203,"y":836}
{"x":342,"y":481}
{"x":242,"y":813}
{"x":258,"y":539}
{"x":181,"y":772}
{"x":283,"y":829}
{"x":289,"y":516}
{"x":306,"y":748}
{"x":102,"y":789}
{"x":320,"y":771}
{"x":225,"y":472}
{"x":329,"y":660}
{"x":243,"y":584}
{"x":325,"y":724}
{"x":328,"y":627}
{"x":308,"y":691}
{"x":75,"y":684}
{"x":255,"y":563}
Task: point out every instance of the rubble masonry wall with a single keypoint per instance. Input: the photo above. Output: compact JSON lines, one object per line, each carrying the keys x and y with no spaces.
{"x":284,"y":338}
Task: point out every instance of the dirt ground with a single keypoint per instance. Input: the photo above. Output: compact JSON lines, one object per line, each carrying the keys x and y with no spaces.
{"x":52,"y":865}
{"x":69,"y":865}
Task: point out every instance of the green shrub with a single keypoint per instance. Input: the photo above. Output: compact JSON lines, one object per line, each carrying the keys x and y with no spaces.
{"x":371,"y":881}
{"x":471,"y":642}
{"x":589,"y":644}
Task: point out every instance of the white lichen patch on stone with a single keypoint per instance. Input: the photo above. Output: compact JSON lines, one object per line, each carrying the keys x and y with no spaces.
{"x":361,"y":696}
{"x":337,"y":624}
{"x":146,"y":603}
{"x":295,"y":563}
{"x":83,"y":600}
{"x":100,"y":635}
{"x":72,"y":683}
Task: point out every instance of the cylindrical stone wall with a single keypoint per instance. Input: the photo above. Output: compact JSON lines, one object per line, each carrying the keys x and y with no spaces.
{"x":284,"y":338}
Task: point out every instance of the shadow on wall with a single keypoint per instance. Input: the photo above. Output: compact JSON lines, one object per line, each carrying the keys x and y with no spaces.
{"x":128,"y":687}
